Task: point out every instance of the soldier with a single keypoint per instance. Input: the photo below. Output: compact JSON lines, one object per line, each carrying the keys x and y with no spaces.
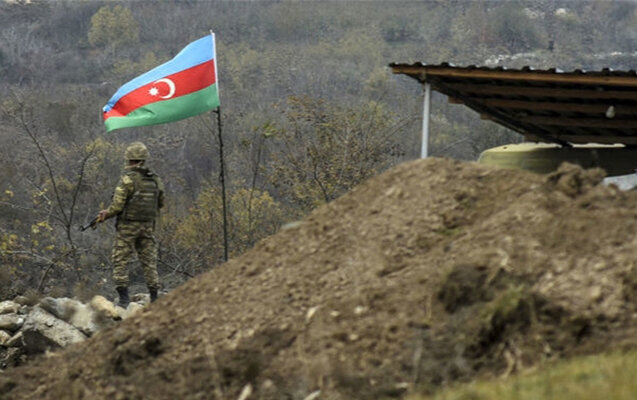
{"x":136,"y":202}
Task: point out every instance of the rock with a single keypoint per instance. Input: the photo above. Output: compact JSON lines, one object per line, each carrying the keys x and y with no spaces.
{"x":132,"y":309}
{"x":16,"y":340}
{"x":4,"y":338}
{"x":53,"y":307}
{"x":9,"y":307}
{"x":291,"y":225}
{"x":245,"y":392}
{"x":596,"y":293}
{"x":310,"y":313}
{"x":313,"y":396}
{"x":72,"y":311}
{"x":42,"y":331}
{"x":22,"y":300}
{"x":84,"y":319}
{"x":143,"y":298}
{"x":267,"y":384}
{"x":11,"y":322}
{"x":105,"y":308}
{"x":62,"y":308}
{"x":88,"y":318}
{"x":120,"y":311}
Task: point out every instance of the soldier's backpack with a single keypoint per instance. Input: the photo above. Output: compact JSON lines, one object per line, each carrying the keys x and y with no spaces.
{"x":143,"y":205}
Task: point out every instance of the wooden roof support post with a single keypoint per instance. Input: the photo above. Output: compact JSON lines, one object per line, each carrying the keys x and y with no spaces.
{"x":425,"y":122}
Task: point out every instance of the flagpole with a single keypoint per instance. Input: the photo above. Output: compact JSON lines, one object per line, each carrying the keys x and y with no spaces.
{"x":222,"y":179}
{"x":222,"y":169}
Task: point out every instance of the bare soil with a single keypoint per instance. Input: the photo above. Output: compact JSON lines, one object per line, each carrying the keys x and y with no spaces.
{"x":436,"y":271}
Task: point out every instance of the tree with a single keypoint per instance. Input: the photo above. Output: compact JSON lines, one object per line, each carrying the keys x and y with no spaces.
{"x":54,"y":191}
{"x":126,"y":68}
{"x":323,"y":150}
{"x":113,"y":27}
{"x":514,"y":29}
{"x":195,"y":243}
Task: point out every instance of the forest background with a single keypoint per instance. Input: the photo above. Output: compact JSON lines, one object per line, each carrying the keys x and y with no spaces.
{"x":309,"y":110}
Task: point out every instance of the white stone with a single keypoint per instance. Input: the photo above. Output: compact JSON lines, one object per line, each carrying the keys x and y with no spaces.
{"x":132,"y":309}
{"x":313,"y":396}
{"x":4,"y":338}
{"x":143,"y":298}
{"x":42,"y":331}
{"x":246,"y":392}
{"x":22,"y":300}
{"x":267,"y":384}
{"x":76,"y":313}
{"x":596,"y":293}
{"x":310,"y":313}
{"x":105,"y":307}
{"x":11,"y":322}
{"x":9,"y":307}
{"x":60,"y":308}
{"x":84,"y":318}
{"x":359,"y":310}
{"x":15,"y":340}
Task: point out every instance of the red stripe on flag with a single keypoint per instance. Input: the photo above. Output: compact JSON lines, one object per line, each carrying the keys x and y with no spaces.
{"x":187,"y":81}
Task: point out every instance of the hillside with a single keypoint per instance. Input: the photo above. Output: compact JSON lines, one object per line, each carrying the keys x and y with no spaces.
{"x":434,"y":272}
{"x":310,"y":110}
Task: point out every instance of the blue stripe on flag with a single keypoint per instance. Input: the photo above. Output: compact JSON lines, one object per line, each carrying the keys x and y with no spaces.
{"x":195,"y":53}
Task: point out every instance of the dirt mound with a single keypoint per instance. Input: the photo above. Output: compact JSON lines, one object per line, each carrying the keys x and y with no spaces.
{"x":433,"y":272}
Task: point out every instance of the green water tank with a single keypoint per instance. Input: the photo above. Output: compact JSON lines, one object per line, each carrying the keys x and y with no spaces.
{"x":545,"y":157}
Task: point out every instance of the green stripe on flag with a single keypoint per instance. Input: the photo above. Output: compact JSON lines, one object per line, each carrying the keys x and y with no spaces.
{"x":168,"y":110}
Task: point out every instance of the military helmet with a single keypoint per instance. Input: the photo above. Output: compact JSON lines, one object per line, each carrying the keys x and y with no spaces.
{"x":137,"y":151}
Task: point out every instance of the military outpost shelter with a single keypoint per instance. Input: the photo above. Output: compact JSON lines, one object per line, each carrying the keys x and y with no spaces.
{"x":585,"y":117}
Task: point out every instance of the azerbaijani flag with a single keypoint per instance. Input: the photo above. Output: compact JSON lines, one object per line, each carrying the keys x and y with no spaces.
{"x":183,"y":87}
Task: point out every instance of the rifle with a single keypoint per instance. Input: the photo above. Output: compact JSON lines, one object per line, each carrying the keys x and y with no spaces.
{"x":92,"y":224}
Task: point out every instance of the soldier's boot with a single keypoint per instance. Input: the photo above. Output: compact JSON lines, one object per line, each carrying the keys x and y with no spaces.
{"x":123,"y":296}
{"x":153,"y":294}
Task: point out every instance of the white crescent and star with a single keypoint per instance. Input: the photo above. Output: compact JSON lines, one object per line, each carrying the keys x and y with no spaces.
{"x":171,"y":88}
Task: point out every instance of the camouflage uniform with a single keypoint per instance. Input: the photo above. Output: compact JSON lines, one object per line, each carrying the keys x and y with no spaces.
{"x":136,"y":224}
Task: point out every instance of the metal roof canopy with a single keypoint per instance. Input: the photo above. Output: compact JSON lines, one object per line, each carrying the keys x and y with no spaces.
{"x":543,"y":105}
